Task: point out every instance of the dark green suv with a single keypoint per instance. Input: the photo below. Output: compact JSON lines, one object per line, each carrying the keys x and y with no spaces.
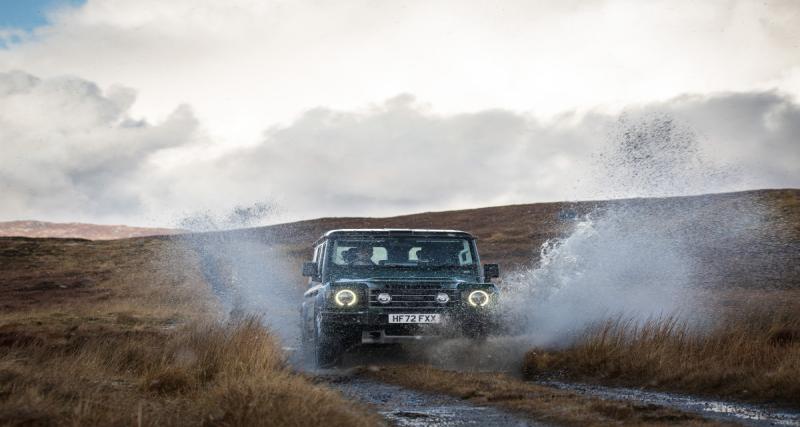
{"x":393,"y":285}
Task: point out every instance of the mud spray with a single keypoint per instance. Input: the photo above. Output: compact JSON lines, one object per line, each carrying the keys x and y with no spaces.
{"x":638,"y":259}
{"x":247,"y":273}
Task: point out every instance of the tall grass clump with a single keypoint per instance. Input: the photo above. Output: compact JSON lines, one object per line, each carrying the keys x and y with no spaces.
{"x":751,"y":355}
{"x":230,"y":373}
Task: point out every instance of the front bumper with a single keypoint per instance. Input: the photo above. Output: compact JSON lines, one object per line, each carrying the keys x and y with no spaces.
{"x":380,"y":337}
{"x":374,"y":327}
{"x":371,"y":318}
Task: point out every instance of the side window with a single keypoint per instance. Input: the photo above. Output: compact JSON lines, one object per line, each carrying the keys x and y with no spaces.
{"x":320,"y":256}
{"x":316,"y":254}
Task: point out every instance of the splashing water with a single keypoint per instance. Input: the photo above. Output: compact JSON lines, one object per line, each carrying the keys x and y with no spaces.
{"x":635,"y":258}
{"x":238,"y":217}
{"x":654,"y":155}
{"x":614,"y":263}
{"x":247,"y":273}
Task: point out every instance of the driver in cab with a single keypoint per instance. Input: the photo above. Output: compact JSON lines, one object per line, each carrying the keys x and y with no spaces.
{"x":359,"y":256}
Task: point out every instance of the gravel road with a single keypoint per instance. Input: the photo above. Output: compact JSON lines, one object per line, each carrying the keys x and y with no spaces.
{"x":405,"y":407}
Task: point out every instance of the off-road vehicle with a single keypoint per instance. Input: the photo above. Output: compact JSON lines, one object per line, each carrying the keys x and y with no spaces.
{"x":380,"y":286}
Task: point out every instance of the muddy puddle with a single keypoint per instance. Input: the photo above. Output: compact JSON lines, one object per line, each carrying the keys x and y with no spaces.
{"x":404,"y":407}
{"x":741,"y":413}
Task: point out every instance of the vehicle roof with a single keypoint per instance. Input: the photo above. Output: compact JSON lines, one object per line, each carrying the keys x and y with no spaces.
{"x":364,"y":232}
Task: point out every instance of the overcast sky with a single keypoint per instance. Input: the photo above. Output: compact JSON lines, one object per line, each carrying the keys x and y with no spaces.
{"x":142,"y":111}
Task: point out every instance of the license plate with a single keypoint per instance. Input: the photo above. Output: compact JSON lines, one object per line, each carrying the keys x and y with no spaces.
{"x":414,"y":318}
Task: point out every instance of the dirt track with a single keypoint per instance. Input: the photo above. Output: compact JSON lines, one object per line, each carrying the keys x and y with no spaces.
{"x":388,"y":386}
{"x":405,"y":407}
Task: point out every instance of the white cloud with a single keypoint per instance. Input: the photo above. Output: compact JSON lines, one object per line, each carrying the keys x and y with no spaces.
{"x":72,"y":152}
{"x":516,"y":99}
{"x":400,"y":157}
{"x":245,"y":63}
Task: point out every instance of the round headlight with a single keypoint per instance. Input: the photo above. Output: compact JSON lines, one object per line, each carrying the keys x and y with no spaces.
{"x":345,"y":297}
{"x":442,"y":298}
{"x":384,"y":298}
{"x":478,"y":298}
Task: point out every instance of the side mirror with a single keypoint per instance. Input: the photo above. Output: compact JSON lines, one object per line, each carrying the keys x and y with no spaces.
{"x":309,"y":269}
{"x":491,"y":271}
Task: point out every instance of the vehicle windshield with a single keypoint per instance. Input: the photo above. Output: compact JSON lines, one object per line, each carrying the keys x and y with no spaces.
{"x":401,"y":252}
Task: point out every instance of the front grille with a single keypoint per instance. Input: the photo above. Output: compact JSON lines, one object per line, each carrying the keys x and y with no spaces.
{"x":413,"y":296}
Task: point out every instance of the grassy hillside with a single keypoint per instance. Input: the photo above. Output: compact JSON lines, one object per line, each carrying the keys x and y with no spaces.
{"x":78,"y":230}
{"x":123,"y":331}
{"x":767,"y":255}
{"x":126,"y":332}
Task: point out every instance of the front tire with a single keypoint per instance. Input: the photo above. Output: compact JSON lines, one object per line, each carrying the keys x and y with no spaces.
{"x":328,"y":348}
{"x":476,"y":331}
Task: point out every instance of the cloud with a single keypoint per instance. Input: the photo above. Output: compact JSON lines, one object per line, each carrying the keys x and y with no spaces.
{"x":242,"y":63}
{"x":396,"y":157}
{"x":399,"y":156}
{"x":72,"y":152}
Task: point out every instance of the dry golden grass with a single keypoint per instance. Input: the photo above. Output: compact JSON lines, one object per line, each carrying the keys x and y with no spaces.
{"x":221,"y":374}
{"x":541,"y":403}
{"x":132,"y":338}
{"x":751,"y":351}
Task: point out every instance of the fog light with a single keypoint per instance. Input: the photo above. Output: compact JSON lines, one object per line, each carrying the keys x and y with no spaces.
{"x":384,"y":298}
{"x":442,"y":298}
{"x":478,"y":298}
{"x":345,"y":298}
